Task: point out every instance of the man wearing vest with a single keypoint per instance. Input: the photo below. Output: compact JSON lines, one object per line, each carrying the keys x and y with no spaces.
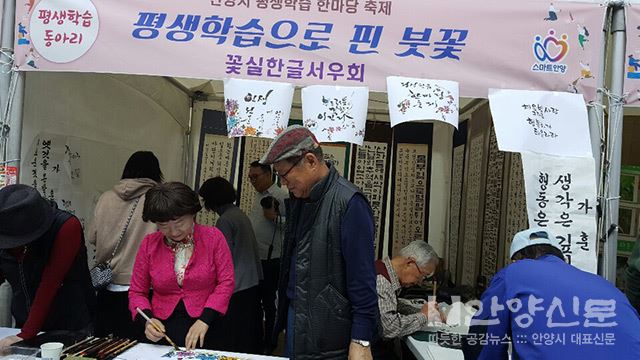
{"x":44,"y":259}
{"x":326,"y":296}
{"x":416,"y":262}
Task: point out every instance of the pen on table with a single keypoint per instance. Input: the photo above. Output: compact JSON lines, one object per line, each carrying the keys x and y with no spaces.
{"x":156,"y":327}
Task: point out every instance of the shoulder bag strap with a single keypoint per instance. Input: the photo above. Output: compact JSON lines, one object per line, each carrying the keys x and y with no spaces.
{"x":124,"y":230}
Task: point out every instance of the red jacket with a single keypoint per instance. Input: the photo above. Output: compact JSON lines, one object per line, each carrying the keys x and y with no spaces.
{"x":208,"y":280}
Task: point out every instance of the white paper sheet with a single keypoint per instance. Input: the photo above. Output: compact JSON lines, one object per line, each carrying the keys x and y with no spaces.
{"x":561,"y":195}
{"x":422,"y":99}
{"x":257,"y":108}
{"x":545,"y":122}
{"x":335,"y":113}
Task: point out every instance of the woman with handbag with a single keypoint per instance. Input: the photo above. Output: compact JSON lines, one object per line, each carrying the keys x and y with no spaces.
{"x":44,"y":259}
{"x":116,"y":231}
{"x":189,"y":267}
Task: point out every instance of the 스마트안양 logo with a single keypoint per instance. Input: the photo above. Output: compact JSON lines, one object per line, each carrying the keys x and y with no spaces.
{"x":551,"y":48}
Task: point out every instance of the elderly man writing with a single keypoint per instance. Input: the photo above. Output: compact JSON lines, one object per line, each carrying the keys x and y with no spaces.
{"x":416,"y":262}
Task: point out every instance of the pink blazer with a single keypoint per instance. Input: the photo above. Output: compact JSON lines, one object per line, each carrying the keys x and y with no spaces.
{"x":208,"y":280}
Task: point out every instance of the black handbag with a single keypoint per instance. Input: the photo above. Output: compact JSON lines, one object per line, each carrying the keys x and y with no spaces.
{"x":102,"y":274}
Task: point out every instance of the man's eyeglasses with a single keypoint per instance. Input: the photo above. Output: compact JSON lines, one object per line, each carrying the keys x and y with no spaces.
{"x":284,"y":175}
{"x":423,"y":274}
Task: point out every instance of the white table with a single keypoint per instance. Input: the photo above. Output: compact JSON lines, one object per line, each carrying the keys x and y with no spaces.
{"x":424,"y":350}
{"x":151,"y":351}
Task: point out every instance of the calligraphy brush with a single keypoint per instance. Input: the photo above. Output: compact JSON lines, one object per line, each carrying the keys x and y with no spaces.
{"x":81,"y":348}
{"x":86,"y":350}
{"x":100,"y":348}
{"x":111,"y":346}
{"x":115,"y":352}
{"x":156,"y":327}
{"x":80,"y":343}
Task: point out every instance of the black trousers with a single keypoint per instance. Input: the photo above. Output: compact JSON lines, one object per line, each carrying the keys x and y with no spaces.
{"x":113,"y":316}
{"x":268,"y":291}
{"x":178,"y":324}
{"x":239,"y":329}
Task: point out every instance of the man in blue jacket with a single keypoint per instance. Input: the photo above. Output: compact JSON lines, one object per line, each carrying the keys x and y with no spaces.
{"x":549,"y":309}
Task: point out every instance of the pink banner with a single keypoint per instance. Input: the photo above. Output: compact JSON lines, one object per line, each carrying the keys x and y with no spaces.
{"x":632,"y":62}
{"x":480,"y":44}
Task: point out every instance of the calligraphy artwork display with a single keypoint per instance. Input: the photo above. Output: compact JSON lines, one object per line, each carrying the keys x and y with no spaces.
{"x":335,"y":113}
{"x":217,"y":159}
{"x":457,"y":176}
{"x":561,"y":196}
{"x":411,"y":179}
{"x":197,"y":355}
{"x":492,"y":206}
{"x":545,"y":122}
{"x":422,"y":99}
{"x":472,"y":211}
{"x":370,"y":175}
{"x":516,"y":212}
{"x":257,"y":108}
{"x":253,"y":149}
{"x":337,"y":155}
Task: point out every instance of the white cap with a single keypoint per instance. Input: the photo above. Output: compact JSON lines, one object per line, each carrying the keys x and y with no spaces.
{"x":533,"y":236}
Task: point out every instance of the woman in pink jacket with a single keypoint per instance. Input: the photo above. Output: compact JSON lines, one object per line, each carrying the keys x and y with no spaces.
{"x":188,"y":266}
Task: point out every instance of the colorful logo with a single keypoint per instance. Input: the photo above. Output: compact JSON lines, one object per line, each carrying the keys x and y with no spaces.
{"x":551,"y":48}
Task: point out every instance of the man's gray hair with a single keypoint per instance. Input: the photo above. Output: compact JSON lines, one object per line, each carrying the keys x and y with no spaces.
{"x":420,"y":251}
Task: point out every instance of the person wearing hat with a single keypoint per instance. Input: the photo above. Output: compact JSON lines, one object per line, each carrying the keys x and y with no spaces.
{"x":44,"y":259}
{"x":549,"y":309}
{"x":327,"y":290}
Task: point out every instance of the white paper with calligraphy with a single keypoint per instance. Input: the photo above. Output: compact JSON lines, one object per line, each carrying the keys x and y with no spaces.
{"x":257,"y":108}
{"x":335,"y":113}
{"x":422,"y":99}
{"x":561,"y":195}
{"x":545,"y":122}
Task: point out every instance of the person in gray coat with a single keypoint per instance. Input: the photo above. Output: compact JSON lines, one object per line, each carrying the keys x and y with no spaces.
{"x":241,"y":325}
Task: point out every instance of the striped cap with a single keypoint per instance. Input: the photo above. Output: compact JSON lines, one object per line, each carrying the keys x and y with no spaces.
{"x":294,"y":141}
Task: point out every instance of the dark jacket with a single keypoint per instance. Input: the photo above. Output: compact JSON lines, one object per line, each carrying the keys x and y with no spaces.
{"x":74,"y":306}
{"x":322,"y":309}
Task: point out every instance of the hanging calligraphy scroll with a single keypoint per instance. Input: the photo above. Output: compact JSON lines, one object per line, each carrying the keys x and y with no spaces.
{"x":410,"y":184}
{"x":561,"y":196}
{"x":335,"y":113}
{"x":422,"y":99}
{"x":338,"y":155}
{"x":472,"y":210}
{"x":370,"y":169}
{"x":515,"y":215}
{"x":257,"y":108}
{"x":492,"y":208}
{"x":216,"y":157}
{"x":252,"y":149}
{"x":457,"y":180}
{"x":69,"y":170}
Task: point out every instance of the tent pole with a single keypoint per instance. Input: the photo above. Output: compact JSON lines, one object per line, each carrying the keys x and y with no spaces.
{"x":614,"y":141}
{"x":11,"y":92}
{"x":596,"y":128}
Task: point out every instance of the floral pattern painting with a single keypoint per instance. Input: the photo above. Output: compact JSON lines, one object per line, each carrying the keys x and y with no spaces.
{"x":257,"y":108}
{"x":335,"y":113}
{"x":422,"y":99}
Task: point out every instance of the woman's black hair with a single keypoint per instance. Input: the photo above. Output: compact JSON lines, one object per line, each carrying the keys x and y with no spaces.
{"x":216,"y":192}
{"x":169,"y":201}
{"x":142,"y":164}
